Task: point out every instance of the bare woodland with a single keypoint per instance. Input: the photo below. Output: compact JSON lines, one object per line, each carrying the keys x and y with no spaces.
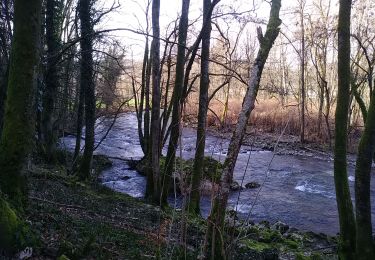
{"x":300,"y":71}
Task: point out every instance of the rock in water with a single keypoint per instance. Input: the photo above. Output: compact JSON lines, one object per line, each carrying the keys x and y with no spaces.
{"x":234,"y":186}
{"x":252,"y":185}
{"x":280,"y":226}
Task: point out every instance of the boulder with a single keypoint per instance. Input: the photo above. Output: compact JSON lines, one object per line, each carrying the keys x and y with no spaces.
{"x":125,"y":178}
{"x":252,"y":185}
{"x":235,"y":186}
{"x":280,"y":226}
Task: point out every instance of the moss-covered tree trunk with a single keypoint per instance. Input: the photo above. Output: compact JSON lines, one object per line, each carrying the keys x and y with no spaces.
{"x":216,"y":233}
{"x":53,"y":28}
{"x":177,"y":95}
{"x":5,"y":41}
{"x":194,"y":201}
{"x":344,"y":203}
{"x":3,"y":89}
{"x":9,"y":225}
{"x":18,"y":132}
{"x":366,"y":148}
{"x":87,"y":83}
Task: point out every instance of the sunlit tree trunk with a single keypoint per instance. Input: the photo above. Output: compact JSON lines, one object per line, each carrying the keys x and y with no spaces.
{"x":344,"y":203}
{"x":87,"y":83}
{"x":202,"y":114}
{"x":216,"y":232}
{"x":177,"y":95}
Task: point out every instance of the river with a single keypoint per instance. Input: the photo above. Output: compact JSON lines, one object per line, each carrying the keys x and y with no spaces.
{"x":296,"y":189}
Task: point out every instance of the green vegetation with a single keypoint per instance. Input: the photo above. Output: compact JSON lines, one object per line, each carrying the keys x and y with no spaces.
{"x":75,"y":220}
{"x":211,"y":167}
{"x":8,"y":225}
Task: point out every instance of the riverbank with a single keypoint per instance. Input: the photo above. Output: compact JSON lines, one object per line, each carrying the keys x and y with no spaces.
{"x":297,"y":189}
{"x":85,"y":220}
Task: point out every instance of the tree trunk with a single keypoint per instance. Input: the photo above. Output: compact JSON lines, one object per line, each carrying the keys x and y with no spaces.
{"x":5,"y":40}
{"x":53,"y":25}
{"x":87,"y":83}
{"x":177,"y":95}
{"x":302,"y":76}
{"x":215,"y":233}
{"x":366,"y":149}
{"x":194,"y":202}
{"x":79,"y":124}
{"x":344,"y":203}
{"x":19,"y":122}
{"x":3,"y":90}
{"x":154,"y":153}
{"x":141,"y":101}
{"x":9,"y":225}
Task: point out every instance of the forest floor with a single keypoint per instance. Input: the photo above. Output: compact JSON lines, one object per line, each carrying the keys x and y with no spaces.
{"x":84,"y":220}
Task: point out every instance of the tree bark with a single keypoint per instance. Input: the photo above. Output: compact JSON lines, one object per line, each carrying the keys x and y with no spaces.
{"x":140,"y":109}
{"x":366,"y":149}
{"x":302,"y":76}
{"x":5,"y":40}
{"x":87,"y":83}
{"x":194,"y":202}
{"x":215,"y":233}
{"x":79,"y":124}
{"x":154,"y":151}
{"x":53,"y":25}
{"x":19,"y":122}
{"x":177,"y":95}
{"x":344,"y":203}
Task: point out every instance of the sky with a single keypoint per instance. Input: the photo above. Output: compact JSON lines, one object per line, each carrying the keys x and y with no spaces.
{"x":131,"y":15}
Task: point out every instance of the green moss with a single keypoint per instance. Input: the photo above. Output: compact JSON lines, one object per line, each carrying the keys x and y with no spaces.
{"x":63,"y":257}
{"x":291,"y":243}
{"x":211,"y":167}
{"x":301,"y":256}
{"x":270,"y":236}
{"x":255,"y":245}
{"x":9,"y":225}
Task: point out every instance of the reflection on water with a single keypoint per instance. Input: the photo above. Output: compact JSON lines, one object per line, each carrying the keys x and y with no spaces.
{"x":297,"y":190}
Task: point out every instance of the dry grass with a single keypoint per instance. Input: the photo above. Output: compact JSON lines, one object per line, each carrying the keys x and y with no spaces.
{"x":269,"y":116}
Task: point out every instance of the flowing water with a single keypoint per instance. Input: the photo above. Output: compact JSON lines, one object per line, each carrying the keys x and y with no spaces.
{"x":296,"y":189}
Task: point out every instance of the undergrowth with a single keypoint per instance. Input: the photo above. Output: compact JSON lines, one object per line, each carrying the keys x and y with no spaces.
{"x":85,"y":220}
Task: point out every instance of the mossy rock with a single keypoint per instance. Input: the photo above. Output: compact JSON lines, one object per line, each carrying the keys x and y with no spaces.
{"x":101,"y":162}
{"x":259,"y":250}
{"x":211,"y":167}
{"x":270,"y":236}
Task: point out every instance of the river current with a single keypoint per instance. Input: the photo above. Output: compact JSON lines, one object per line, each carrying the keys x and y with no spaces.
{"x":295,"y":189}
